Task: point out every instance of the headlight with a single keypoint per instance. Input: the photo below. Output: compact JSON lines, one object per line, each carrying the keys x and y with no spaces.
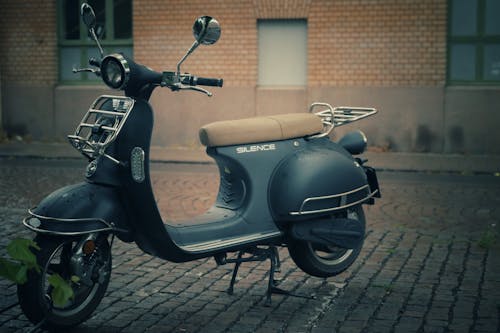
{"x":115,"y":71}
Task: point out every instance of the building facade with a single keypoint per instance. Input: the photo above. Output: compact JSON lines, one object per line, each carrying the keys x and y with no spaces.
{"x":431,"y":67}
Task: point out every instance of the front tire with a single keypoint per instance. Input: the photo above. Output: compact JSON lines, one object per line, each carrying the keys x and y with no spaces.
{"x":55,"y":256}
{"x":326,"y":261}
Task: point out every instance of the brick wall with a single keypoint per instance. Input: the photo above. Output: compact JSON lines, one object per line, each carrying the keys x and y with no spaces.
{"x":281,"y":9}
{"x":351,"y":42}
{"x":28,"y":42}
{"x":358,"y":52}
{"x":377,"y":42}
{"x":162,"y":34}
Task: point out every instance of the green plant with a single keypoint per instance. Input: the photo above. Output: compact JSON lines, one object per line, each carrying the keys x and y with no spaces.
{"x":488,"y":239}
{"x":22,"y":260}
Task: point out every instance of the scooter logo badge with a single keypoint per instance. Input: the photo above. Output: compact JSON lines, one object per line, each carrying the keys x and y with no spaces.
{"x":254,"y":149}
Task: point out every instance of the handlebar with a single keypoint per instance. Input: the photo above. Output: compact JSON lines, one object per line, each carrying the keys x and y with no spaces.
{"x":203,"y":81}
{"x":135,"y":77}
{"x":192,"y":80}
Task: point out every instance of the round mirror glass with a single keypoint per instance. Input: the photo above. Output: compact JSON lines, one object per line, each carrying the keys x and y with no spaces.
{"x":206,"y":30}
{"x":88,"y":15}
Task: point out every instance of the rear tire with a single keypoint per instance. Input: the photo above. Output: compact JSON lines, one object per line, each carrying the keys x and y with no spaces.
{"x":325,"y":261}
{"x":53,"y":257}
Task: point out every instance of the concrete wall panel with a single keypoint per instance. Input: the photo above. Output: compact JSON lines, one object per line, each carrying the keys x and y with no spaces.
{"x":472,"y":120}
{"x":179,"y":115}
{"x":28,"y":110}
{"x":281,"y":100}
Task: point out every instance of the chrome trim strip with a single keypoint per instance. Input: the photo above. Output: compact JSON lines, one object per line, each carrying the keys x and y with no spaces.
{"x":300,"y":212}
{"x":66,"y":219}
{"x":109,"y":226}
{"x":333,"y":196}
{"x":220,"y":243}
{"x":61,"y":233}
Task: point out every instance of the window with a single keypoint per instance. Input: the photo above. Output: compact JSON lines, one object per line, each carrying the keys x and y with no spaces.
{"x":114,"y":27}
{"x":474,"y":42}
{"x":282,"y":52}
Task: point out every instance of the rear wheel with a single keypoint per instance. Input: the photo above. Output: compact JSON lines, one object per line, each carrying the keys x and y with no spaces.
{"x":66,"y":257}
{"x":325,"y":261}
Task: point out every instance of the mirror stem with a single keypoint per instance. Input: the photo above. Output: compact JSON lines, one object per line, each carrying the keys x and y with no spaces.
{"x":191,"y":49}
{"x":94,"y":37}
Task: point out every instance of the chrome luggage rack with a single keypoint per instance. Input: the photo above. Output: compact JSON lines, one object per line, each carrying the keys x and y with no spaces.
{"x":338,"y":116}
{"x":101,"y":125}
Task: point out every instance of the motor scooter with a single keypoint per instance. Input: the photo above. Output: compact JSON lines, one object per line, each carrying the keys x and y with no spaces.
{"x":283,"y":183}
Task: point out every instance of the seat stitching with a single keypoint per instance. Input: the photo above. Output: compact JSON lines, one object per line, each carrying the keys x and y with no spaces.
{"x":279,"y":123}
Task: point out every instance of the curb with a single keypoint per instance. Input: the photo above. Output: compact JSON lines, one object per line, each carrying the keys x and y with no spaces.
{"x":385,"y":161}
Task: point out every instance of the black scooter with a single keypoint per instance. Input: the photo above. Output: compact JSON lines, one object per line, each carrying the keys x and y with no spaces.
{"x":282,"y":183}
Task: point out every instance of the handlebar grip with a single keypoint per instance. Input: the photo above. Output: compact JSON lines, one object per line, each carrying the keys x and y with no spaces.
{"x":203,"y":81}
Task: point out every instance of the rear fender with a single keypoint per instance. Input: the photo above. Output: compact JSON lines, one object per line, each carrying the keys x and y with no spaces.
{"x":80,"y":209}
{"x":321,"y":179}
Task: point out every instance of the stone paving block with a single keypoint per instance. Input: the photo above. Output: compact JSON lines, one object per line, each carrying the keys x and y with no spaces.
{"x":420,"y":268}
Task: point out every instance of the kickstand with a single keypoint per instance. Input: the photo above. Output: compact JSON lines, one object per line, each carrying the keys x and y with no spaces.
{"x":230,"y":290}
{"x":261,"y":254}
{"x":272,"y":284}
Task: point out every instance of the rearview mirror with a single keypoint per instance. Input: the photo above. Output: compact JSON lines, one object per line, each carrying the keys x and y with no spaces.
{"x":206,"y":30}
{"x":88,"y":16}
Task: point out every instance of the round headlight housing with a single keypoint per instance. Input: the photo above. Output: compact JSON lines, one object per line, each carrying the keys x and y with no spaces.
{"x":115,"y":71}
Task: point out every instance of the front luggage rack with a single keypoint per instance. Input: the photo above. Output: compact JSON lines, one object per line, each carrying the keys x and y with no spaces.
{"x":101,"y":125}
{"x":338,"y":116}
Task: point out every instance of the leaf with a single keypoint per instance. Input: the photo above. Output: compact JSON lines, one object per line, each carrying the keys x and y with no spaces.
{"x":22,"y":275}
{"x":75,"y":279}
{"x":62,"y":291}
{"x":19,"y":249}
{"x":13,"y":271}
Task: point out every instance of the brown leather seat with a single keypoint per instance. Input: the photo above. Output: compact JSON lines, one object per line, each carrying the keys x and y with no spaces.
{"x":260,"y":129}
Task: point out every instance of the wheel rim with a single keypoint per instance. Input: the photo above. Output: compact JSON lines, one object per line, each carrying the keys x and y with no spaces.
{"x":332,"y":255}
{"x":83,"y":294}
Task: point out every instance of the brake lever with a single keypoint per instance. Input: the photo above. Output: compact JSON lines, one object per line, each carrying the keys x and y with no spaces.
{"x":96,"y":71}
{"x":179,"y":86}
{"x":198,"y":89}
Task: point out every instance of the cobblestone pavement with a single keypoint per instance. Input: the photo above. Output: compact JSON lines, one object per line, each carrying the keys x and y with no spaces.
{"x":430,"y":262}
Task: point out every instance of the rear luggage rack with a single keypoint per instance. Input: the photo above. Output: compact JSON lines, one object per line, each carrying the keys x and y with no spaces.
{"x":101,"y":125}
{"x":338,"y":116}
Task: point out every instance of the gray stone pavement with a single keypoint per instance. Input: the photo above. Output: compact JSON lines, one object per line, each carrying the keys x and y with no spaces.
{"x":430,"y":262}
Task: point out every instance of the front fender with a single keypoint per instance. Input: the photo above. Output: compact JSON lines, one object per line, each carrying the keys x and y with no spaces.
{"x":80,"y":209}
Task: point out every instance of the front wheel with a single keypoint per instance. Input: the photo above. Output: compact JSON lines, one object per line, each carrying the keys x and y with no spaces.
{"x":325,"y":261}
{"x":87,"y":258}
